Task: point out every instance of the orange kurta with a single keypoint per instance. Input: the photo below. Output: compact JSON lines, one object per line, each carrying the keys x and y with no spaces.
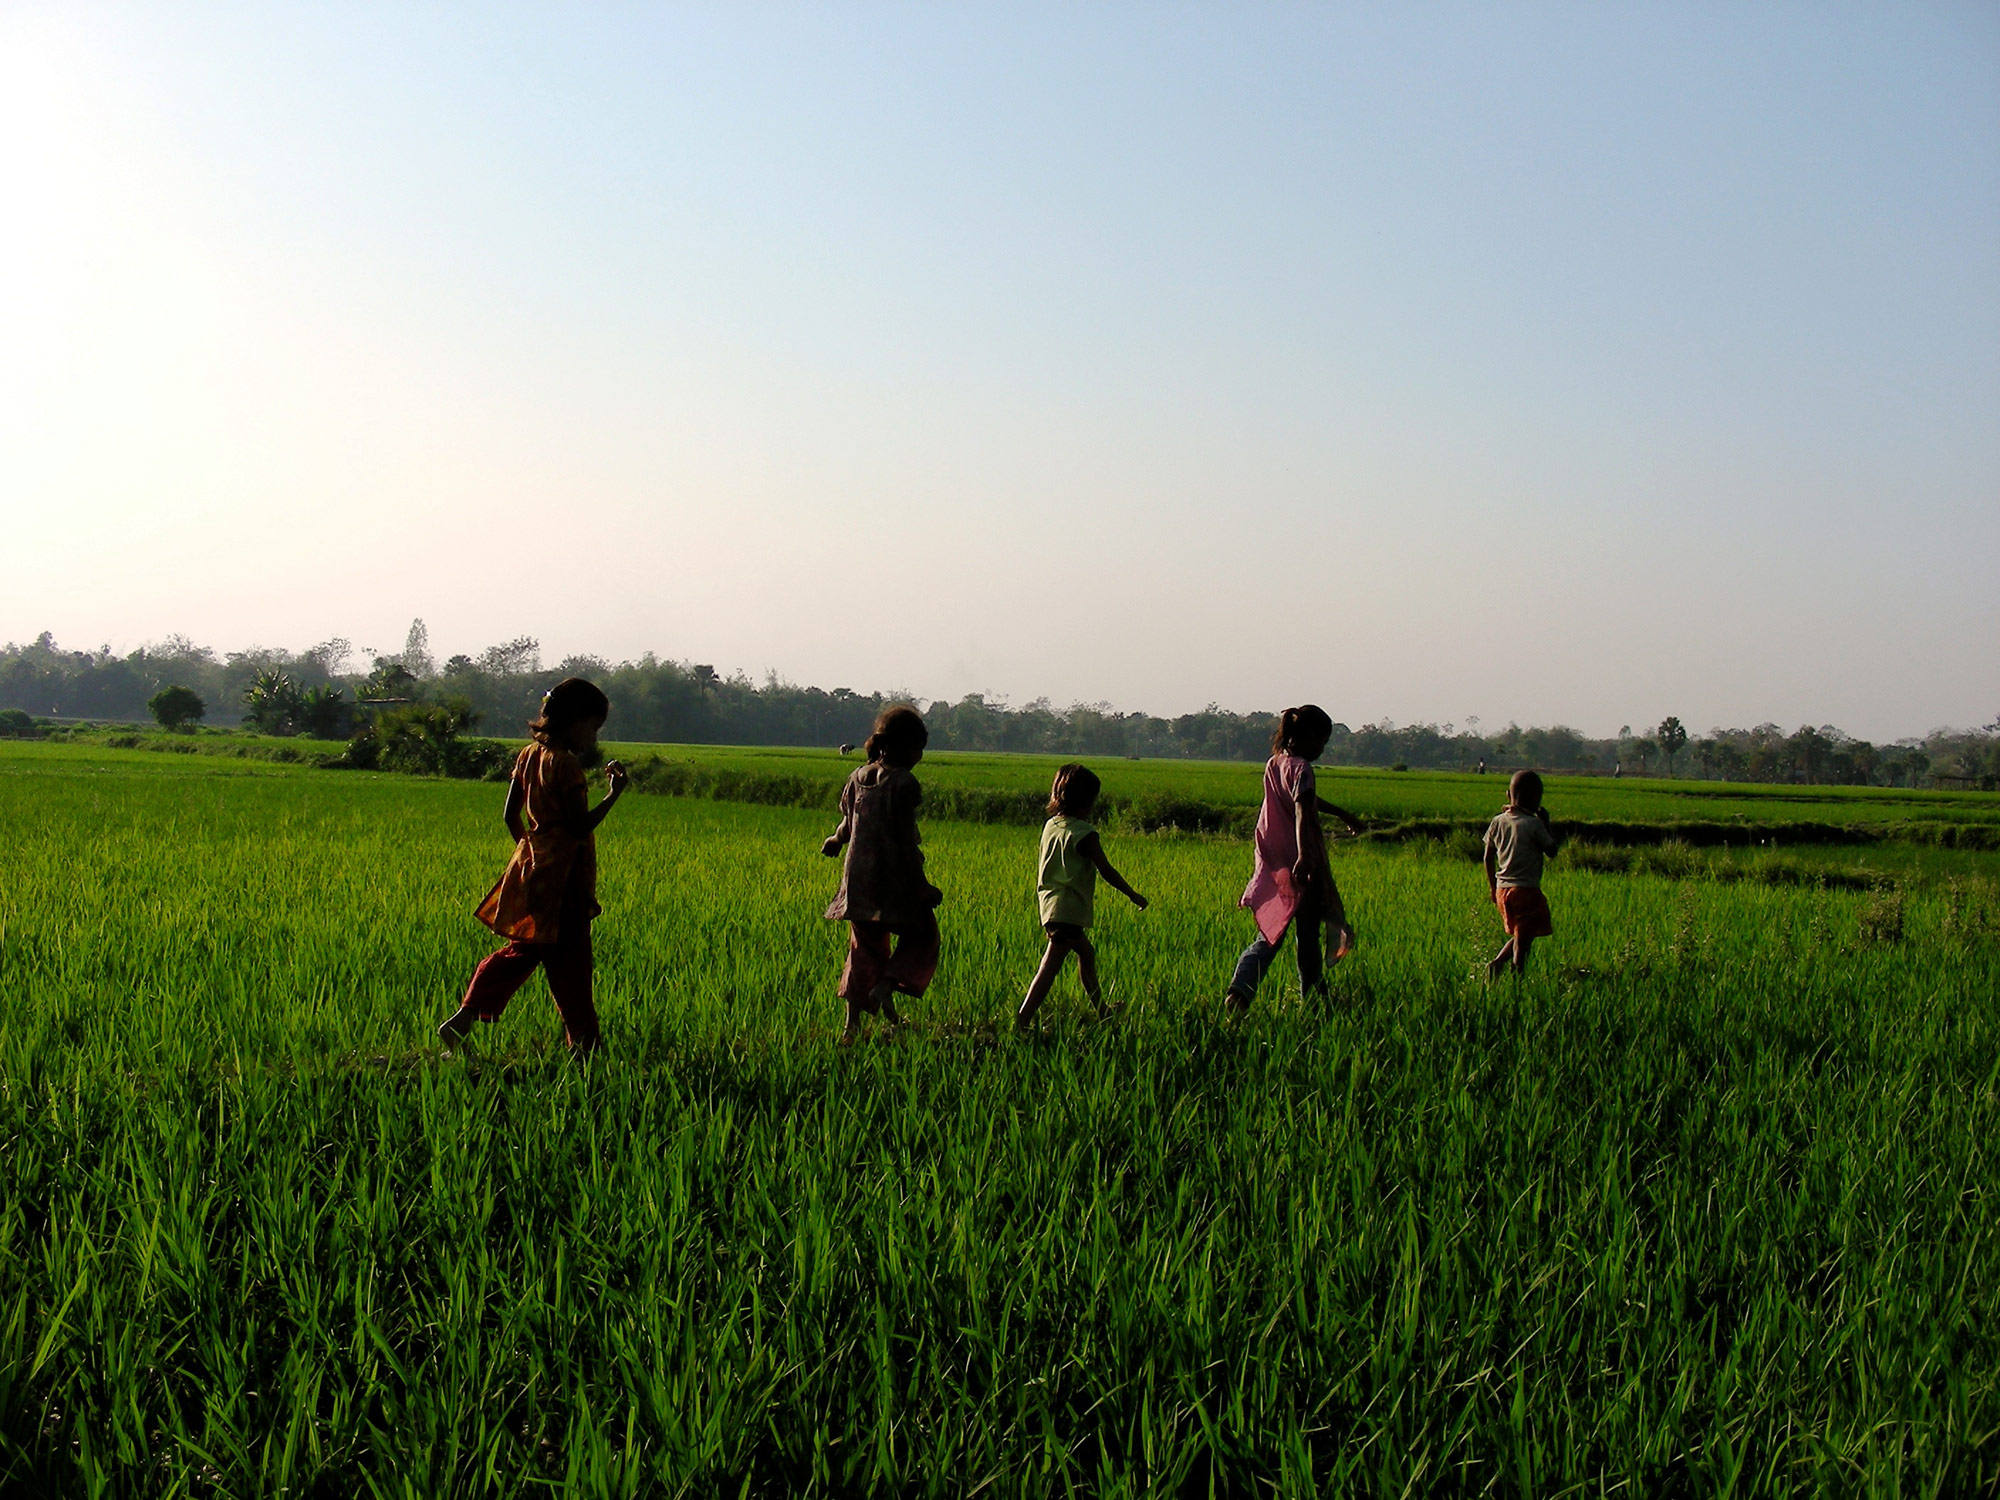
{"x":527,"y":904}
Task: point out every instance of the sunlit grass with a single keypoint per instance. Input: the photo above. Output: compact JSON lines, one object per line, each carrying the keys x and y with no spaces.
{"x":1706,"y":1202}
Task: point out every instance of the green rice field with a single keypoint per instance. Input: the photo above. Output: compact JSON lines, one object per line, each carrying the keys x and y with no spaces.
{"x":1382,"y":795}
{"x":1705,"y":1205}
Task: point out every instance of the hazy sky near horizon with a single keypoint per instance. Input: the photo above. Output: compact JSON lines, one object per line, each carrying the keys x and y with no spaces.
{"x":1544,"y":362}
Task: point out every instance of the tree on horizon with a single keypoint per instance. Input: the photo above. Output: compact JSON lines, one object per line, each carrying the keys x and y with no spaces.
{"x":1671,"y":738}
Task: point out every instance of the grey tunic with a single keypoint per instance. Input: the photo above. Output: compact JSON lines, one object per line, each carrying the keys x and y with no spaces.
{"x":883,"y":878}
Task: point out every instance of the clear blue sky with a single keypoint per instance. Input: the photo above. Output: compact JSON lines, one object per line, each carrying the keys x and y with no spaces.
{"x":1577,"y":363}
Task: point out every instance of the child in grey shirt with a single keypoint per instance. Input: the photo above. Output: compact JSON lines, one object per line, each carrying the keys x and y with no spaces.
{"x":1516,"y":844}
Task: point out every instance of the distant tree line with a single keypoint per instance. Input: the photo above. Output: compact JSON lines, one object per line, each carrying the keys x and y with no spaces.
{"x":317,"y":691}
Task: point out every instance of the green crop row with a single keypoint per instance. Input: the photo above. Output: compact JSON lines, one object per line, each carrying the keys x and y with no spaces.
{"x":1223,"y":795}
{"x":1153,"y":807}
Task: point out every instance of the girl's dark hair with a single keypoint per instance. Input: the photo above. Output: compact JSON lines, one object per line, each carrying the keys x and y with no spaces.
{"x":1525,"y":790}
{"x":1074,"y":792}
{"x":1298,"y":726}
{"x":571,"y":701}
{"x":898,"y":731}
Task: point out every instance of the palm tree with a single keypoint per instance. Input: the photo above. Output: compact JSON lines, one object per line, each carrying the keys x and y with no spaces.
{"x":273,"y":701}
{"x":390,"y":682}
{"x":1670,"y":737}
{"x":705,"y":678}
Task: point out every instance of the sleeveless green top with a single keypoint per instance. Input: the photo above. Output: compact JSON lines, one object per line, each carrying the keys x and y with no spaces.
{"x":1066,"y":881}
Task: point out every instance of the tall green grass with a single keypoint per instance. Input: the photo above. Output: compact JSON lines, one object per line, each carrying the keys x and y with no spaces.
{"x":1704,"y":1205}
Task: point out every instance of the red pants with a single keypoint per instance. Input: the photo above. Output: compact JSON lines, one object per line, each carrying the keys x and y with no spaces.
{"x":567,"y":962}
{"x":869,"y":960}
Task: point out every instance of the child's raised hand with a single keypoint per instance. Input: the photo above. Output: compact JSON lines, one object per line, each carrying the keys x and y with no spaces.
{"x":830,"y":848}
{"x":615,"y":775}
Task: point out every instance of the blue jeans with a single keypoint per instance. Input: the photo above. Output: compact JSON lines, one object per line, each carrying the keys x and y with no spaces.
{"x":1256,"y":960}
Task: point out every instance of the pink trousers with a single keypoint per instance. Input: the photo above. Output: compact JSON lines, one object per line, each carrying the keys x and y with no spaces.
{"x":870,"y":960}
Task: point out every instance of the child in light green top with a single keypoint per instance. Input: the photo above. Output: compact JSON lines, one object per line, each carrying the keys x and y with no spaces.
{"x":1072,"y":857}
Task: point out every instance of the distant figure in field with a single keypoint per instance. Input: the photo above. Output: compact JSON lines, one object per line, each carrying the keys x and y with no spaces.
{"x":1292,"y":882}
{"x":546,"y":900}
{"x":1482,"y":765}
{"x":883,"y":893}
{"x":1071,"y":859}
{"x":1516,"y":844}
{"x":846,"y":749}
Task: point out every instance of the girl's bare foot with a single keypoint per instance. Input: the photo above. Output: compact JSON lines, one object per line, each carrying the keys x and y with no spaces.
{"x":882,"y":999}
{"x":456,"y":1029}
{"x":850,"y":1025}
{"x":1235,"y":1002}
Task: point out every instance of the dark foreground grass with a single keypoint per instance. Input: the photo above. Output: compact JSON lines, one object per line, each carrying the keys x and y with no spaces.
{"x":1706,"y":1206}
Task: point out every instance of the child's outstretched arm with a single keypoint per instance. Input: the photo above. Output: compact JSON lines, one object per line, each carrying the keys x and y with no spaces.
{"x":1353,"y":823}
{"x":580,"y":818}
{"x":1092,"y":849}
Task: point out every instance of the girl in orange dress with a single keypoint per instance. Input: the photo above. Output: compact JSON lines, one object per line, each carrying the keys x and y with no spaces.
{"x":547,"y":898}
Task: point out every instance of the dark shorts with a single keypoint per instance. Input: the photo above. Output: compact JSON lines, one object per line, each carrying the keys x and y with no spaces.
{"x":1066,"y":932}
{"x":1524,"y":911}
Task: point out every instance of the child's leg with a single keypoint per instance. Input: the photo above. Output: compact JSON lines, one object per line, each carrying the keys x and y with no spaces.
{"x":1086,"y":970}
{"x":867,"y":957}
{"x":910,"y":968}
{"x":1522,"y":943}
{"x":1505,"y":956}
{"x":570,"y":982}
{"x":1250,"y":969}
{"x":499,"y":975}
{"x":1044,"y":980}
{"x":1312,"y":959}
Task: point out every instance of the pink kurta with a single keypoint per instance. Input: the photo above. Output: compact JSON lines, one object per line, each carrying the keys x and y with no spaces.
{"x":1272,"y":895}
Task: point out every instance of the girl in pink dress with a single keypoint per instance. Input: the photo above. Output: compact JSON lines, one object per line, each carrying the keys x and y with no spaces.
{"x":1292,"y":883}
